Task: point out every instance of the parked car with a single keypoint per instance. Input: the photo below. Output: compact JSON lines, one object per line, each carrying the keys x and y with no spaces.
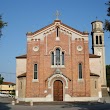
{"x":10,"y":95}
{"x":3,"y":95}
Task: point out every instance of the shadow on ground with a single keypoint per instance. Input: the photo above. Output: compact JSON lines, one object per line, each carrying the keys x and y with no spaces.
{"x":72,"y":105}
{"x":88,"y":106}
{"x":4,"y":106}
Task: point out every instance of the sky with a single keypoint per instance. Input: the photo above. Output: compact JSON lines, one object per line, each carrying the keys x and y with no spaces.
{"x":31,"y":15}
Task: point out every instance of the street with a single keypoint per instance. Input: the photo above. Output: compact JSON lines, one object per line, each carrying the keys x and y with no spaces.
{"x":6,"y":104}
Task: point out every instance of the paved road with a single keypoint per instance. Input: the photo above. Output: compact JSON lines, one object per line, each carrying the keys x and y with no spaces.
{"x":5,"y":104}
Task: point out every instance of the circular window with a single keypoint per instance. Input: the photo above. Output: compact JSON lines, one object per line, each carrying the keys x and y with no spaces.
{"x":79,"y":48}
{"x":36,"y":48}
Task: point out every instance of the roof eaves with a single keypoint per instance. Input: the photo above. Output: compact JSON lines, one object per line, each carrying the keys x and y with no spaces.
{"x":32,"y":33}
{"x":21,"y":56}
{"x":93,"y":56}
{"x":93,"y":74}
{"x":83,"y":33}
{"x":22,"y":75}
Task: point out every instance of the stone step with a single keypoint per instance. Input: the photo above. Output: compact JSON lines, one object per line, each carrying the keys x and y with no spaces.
{"x":57,"y":103}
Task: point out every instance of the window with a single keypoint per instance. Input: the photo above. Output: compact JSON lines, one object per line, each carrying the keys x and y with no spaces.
{"x":96,"y":39}
{"x":21,"y":85}
{"x":52,"y":56}
{"x":100,"y":37}
{"x":35,"y":71}
{"x":57,"y":31}
{"x":80,"y":70}
{"x":57,"y":57}
{"x":62,"y":58}
{"x":95,"y":84}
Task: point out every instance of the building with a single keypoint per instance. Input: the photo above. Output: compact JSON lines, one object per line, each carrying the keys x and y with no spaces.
{"x":7,"y":87}
{"x":59,"y":67}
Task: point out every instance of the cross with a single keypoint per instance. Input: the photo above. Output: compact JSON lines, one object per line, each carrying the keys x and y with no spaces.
{"x":57,"y":14}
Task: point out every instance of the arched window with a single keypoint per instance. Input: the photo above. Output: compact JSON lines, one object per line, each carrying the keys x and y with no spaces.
{"x":57,"y":56}
{"x":52,"y":58}
{"x":100,"y":38}
{"x":62,"y":58}
{"x":35,"y":71}
{"x":21,"y":85}
{"x":95,"y":84}
{"x":96,"y":39}
{"x":57,"y":31}
{"x":80,"y":70}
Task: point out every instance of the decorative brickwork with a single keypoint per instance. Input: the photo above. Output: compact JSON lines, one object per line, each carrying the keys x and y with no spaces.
{"x":42,"y":49}
{"x":76,"y":87}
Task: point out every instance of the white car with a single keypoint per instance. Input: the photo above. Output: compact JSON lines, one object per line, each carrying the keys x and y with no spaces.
{"x":9,"y":95}
{"x":4,"y":95}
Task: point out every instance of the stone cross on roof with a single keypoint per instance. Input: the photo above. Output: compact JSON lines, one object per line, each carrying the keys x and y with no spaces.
{"x":57,"y":14}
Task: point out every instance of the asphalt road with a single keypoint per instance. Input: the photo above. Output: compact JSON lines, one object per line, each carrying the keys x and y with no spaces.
{"x":6,"y":104}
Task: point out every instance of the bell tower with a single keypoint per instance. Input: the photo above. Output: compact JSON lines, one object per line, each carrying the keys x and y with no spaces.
{"x":98,"y":47}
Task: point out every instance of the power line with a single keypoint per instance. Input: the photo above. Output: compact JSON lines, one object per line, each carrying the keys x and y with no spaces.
{"x":7,"y":73}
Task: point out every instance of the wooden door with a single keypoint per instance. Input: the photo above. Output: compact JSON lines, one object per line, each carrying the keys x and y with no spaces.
{"x":58,"y":90}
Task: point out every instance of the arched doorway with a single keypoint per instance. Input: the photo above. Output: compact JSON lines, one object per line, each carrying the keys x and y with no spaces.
{"x":58,"y":90}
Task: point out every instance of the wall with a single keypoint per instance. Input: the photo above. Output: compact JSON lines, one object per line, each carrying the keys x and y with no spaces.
{"x":72,"y":58}
{"x":94,"y":90}
{"x":20,"y":69}
{"x":7,"y":88}
{"x":21,"y":87}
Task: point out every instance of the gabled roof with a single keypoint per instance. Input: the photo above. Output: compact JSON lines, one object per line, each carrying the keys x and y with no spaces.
{"x":32,"y":33}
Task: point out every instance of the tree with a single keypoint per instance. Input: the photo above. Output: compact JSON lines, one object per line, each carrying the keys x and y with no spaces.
{"x":108,"y":75}
{"x":1,"y":81}
{"x":2,"y":24}
{"x":107,"y":22}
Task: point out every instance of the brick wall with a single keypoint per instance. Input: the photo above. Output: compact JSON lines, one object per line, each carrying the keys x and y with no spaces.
{"x":43,"y":59}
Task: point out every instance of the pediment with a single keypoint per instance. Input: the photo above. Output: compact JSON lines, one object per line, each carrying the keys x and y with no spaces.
{"x":56,"y":76}
{"x":45,"y":31}
{"x":58,"y":73}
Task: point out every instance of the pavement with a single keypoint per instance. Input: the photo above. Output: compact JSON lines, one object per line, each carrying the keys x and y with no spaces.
{"x":105,"y":100}
{"x":6,"y":104}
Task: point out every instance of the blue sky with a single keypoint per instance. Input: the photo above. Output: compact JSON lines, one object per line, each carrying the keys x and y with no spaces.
{"x":30,"y":15}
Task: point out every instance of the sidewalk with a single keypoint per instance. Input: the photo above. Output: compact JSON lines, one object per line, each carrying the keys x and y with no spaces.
{"x":105,"y":100}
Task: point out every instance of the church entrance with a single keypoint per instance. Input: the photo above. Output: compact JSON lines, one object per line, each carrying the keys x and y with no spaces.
{"x":58,"y":90}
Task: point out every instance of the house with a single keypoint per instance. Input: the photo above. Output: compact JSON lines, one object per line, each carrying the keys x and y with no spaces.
{"x":59,"y":67}
{"x":7,"y":87}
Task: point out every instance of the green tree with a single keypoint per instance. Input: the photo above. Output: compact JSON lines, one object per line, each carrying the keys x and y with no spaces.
{"x":107,"y":22}
{"x":2,"y":24}
{"x":108,"y":75}
{"x":1,"y":81}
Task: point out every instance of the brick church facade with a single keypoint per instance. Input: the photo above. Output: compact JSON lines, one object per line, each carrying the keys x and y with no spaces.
{"x":58,"y":65}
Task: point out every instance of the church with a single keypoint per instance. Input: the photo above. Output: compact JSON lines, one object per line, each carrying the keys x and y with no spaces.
{"x":59,"y":67}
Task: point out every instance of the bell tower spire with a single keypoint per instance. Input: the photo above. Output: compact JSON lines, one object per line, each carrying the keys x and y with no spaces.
{"x":98,"y":47}
{"x":97,"y":37}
